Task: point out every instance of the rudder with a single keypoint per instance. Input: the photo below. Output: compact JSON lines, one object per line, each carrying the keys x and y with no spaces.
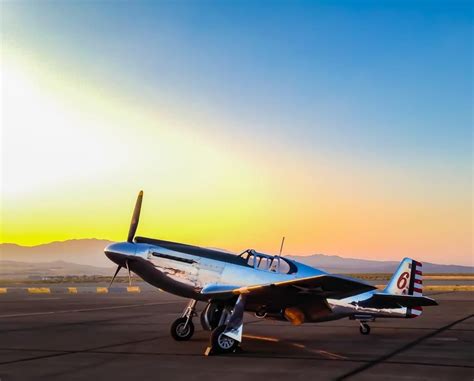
{"x":407,"y":280}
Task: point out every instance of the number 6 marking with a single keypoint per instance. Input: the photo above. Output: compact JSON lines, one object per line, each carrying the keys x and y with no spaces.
{"x":403,"y":280}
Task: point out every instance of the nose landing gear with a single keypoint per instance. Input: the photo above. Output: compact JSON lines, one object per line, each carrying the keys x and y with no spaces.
{"x":182,"y":328}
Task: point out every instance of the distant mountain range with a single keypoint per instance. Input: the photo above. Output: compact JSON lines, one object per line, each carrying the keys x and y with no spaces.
{"x":340,"y":265}
{"x":72,"y":257}
{"x":86,"y":257}
{"x":81,"y":251}
{"x":20,"y":270}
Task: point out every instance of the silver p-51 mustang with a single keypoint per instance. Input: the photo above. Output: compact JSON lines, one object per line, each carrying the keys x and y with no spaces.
{"x":272,"y":287}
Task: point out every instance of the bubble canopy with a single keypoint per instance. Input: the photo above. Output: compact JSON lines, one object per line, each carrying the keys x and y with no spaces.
{"x":266,"y":262}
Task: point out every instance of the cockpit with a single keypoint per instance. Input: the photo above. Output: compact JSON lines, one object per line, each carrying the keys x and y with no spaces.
{"x":267,"y":262}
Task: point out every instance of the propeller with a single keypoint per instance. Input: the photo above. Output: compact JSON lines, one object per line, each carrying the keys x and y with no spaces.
{"x":135,"y":218}
{"x":116,"y":272}
{"x":131,"y":235}
{"x":129,"y":274}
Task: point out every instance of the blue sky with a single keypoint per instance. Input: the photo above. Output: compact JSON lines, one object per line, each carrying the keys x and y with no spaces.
{"x":370,"y":101}
{"x":385,"y":78}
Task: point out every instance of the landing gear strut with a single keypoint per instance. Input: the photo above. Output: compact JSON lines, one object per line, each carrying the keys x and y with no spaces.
{"x":364,"y":328}
{"x":228,"y":334}
{"x":182,"y":328}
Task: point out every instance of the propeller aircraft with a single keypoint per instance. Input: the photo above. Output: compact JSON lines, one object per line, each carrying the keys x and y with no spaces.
{"x":271,"y":287}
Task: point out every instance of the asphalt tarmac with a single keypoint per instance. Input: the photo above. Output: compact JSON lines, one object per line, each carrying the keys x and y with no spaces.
{"x":126,"y":337}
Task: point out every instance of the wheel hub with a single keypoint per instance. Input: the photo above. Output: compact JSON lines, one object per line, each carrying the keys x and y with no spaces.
{"x":225,"y":342}
{"x":182,"y":329}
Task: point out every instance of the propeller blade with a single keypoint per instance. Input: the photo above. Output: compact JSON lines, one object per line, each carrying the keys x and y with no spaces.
{"x":113,"y":278}
{"x":129,"y":274}
{"x":135,"y":217}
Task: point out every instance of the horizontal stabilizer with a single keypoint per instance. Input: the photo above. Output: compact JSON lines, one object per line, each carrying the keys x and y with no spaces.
{"x":381,"y":300}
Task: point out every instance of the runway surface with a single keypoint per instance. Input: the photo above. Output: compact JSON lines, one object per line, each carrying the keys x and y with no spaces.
{"x":126,"y":337}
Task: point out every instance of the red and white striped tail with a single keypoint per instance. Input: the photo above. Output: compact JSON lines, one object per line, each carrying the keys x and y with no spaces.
{"x":418,"y":280}
{"x":414,"y":312}
{"x":407,"y":280}
{"x":416,"y":288}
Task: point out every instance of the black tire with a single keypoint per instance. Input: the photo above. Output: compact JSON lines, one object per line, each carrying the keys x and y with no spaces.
{"x":221,"y":343}
{"x":178,"y":331}
{"x":364,"y":329}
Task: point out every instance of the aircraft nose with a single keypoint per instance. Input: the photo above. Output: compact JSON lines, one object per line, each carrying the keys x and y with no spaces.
{"x":119,"y":251}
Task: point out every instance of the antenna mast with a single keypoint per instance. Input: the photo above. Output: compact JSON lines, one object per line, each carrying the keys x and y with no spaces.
{"x":281,"y":246}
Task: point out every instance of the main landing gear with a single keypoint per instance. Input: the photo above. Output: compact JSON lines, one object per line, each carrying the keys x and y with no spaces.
{"x":182,"y":328}
{"x":364,"y":328}
{"x":227,"y":337}
{"x":220,"y":342}
{"x":225,"y":321}
{"x":210,"y":316}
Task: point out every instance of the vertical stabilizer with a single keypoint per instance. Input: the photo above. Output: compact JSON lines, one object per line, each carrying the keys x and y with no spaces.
{"x":407,"y":280}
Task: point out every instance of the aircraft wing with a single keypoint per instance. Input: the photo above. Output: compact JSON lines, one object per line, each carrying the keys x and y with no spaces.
{"x":381,"y":300}
{"x":325,"y":285}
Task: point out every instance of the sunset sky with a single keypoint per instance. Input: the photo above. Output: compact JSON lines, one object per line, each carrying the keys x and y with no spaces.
{"x":344,"y":126}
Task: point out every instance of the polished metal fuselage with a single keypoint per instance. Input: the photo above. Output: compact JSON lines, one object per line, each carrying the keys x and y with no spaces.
{"x":186,"y":275}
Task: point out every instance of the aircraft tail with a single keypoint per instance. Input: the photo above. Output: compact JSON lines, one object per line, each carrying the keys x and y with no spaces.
{"x":407,"y":280}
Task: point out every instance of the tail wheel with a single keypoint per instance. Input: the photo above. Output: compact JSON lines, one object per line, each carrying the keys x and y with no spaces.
{"x":364,"y":329}
{"x":221,"y":343}
{"x":182,"y":331}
